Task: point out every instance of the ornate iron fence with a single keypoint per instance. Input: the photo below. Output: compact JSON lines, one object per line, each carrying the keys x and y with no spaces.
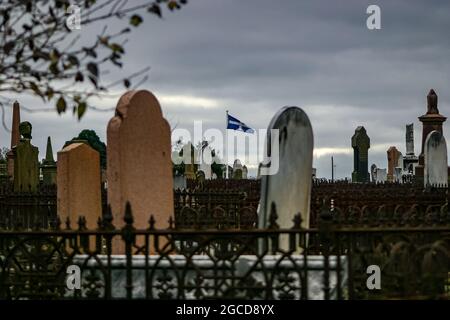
{"x":327,"y":262}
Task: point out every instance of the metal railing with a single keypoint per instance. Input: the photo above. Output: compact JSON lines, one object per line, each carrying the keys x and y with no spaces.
{"x":327,"y":262}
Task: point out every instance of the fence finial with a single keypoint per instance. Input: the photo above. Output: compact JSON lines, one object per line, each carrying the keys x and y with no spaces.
{"x":128,"y":217}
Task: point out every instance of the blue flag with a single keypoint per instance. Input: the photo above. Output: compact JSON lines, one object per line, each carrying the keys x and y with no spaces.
{"x":235,"y":124}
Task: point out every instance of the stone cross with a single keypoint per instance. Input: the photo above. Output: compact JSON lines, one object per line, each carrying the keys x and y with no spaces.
{"x":79,"y":184}
{"x":26,"y":163}
{"x":436,"y":166}
{"x":139,"y":161}
{"x":360,"y":145}
{"x":289,"y":188}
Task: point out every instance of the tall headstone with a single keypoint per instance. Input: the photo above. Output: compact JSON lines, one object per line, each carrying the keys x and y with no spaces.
{"x":49,"y":165}
{"x":139,"y":160}
{"x":431,"y":121}
{"x":360,"y":145}
{"x":26,"y":163}
{"x":289,"y":187}
{"x":373,"y":172}
{"x":79,"y":181}
{"x":393,"y":156}
{"x":15,"y":138}
{"x":410,"y":160}
{"x":189,"y":161}
{"x":436,"y":165}
{"x":410,"y":139}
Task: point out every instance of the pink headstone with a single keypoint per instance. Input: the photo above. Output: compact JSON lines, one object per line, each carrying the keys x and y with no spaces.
{"x":139,"y":166}
{"x":78,"y":181}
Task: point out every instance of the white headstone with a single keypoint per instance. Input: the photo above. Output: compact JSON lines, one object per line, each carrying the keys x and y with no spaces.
{"x":290,"y":187}
{"x":373,"y":172}
{"x":381,"y":175}
{"x":436,"y":167}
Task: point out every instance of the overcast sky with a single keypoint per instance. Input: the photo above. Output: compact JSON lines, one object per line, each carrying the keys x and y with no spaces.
{"x":253,"y":57}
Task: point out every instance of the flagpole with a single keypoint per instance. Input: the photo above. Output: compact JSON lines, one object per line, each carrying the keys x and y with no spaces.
{"x":226,"y":146}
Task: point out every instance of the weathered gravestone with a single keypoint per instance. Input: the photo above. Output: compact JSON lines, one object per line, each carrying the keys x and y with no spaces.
{"x":289,"y":148}
{"x":373,"y":172}
{"x":381,"y":175}
{"x":139,"y":161}
{"x":393,"y":156}
{"x":436,"y":167}
{"x":189,"y":158}
{"x":360,"y":145}
{"x":398,"y":171}
{"x":410,"y":160}
{"x":49,"y":165}
{"x":26,"y":163}
{"x":431,"y":121}
{"x":237,"y":169}
{"x":79,"y":180}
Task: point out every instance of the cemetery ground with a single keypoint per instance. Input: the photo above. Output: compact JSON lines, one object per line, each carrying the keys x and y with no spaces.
{"x":136,"y":228}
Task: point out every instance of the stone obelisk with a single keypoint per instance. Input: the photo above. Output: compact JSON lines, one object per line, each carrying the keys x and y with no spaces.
{"x":15,"y":138}
{"x":49,"y":165}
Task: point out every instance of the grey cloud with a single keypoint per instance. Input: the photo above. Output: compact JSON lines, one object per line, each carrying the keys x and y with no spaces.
{"x":255,"y":57}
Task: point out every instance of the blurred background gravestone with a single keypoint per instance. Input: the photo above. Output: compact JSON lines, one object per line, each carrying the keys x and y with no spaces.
{"x":26,"y":163}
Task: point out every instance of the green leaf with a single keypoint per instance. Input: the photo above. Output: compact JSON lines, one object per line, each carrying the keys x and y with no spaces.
{"x":115,"y":47}
{"x":36,"y":89}
{"x":135,"y":20}
{"x":73,"y":60}
{"x":54,"y":68}
{"x":156,"y":9}
{"x":61,"y":105}
{"x":79,"y":77}
{"x":49,"y":93}
{"x":93,"y":69}
{"x":172,"y":5}
{"x":93,"y":80}
{"x":82,"y":106}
